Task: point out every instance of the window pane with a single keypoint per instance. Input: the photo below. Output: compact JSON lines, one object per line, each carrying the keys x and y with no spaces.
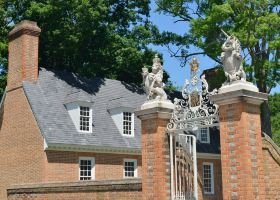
{"x":204,"y":135}
{"x":129,"y":168}
{"x":85,"y":169}
{"x":127,"y":123}
{"x":208,"y":178}
{"x":84,"y":118}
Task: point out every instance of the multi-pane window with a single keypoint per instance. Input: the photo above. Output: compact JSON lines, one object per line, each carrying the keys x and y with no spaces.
{"x":127,"y":123}
{"x":86,"y":168}
{"x":84,"y":118}
{"x":130,"y":168}
{"x":208,"y":178}
{"x":204,"y":135}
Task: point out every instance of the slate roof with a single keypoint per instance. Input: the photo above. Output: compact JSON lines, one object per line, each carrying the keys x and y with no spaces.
{"x":54,"y":89}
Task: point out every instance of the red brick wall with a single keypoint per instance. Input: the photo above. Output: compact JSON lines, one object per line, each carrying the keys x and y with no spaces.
{"x":21,"y":143}
{"x":87,"y":190}
{"x":108,"y":195}
{"x":241,"y":151}
{"x":156,"y":177}
{"x":272,"y":170}
{"x":64,"y":166}
{"x":218,"y":192}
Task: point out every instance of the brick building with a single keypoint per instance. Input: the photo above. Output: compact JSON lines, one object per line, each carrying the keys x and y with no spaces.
{"x":64,"y":136}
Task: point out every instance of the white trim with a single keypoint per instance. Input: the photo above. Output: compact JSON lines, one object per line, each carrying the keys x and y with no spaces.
{"x":195,"y":167}
{"x":90,"y":118}
{"x":92,"y":166}
{"x":92,"y":148}
{"x":208,"y":156}
{"x":212,"y":177}
{"x":132,"y":124}
{"x":135,"y":167}
{"x":45,"y":144}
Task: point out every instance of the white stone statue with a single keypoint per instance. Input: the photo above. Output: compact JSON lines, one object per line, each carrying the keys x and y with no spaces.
{"x":153,"y":81}
{"x":232,"y":59}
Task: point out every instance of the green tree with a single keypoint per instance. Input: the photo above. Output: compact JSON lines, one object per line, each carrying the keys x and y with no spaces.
{"x":274,"y":105}
{"x":256,"y":24}
{"x":104,"y":38}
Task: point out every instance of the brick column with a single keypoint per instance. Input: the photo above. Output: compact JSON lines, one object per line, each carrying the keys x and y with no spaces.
{"x":155,"y":150}
{"x":241,"y":142}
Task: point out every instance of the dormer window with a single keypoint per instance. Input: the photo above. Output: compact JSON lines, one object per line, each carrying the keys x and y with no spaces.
{"x":123,"y":118}
{"x":84,"y":118}
{"x":81,"y":115}
{"x":127,"y":123}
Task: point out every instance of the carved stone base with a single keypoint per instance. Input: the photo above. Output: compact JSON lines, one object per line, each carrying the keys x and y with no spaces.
{"x":157,"y":104}
{"x":238,"y":85}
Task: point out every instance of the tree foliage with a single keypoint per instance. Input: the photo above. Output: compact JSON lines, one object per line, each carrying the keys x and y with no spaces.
{"x":255,"y":23}
{"x":274,"y":105}
{"x":215,"y":77}
{"x":104,"y":38}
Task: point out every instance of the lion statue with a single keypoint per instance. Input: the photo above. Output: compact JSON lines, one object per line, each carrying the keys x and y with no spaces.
{"x":232,"y":60}
{"x":153,"y":81}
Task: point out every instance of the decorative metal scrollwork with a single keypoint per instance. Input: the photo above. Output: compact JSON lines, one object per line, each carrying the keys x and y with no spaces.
{"x":195,"y":109}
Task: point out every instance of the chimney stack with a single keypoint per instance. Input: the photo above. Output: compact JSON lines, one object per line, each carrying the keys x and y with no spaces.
{"x":23,"y":54}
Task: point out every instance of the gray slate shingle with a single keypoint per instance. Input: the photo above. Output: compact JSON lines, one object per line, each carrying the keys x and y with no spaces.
{"x":53,"y":90}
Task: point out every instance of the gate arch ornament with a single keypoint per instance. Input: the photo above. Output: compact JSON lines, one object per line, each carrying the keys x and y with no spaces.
{"x":194,"y":111}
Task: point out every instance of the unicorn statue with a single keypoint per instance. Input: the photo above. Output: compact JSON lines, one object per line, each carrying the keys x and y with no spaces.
{"x":232,"y":59}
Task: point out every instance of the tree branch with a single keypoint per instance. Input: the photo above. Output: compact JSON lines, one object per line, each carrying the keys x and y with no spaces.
{"x":186,"y":18}
{"x":193,"y":54}
{"x":179,"y":20}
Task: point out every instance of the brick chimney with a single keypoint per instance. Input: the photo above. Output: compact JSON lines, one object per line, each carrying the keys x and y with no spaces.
{"x":23,"y":54}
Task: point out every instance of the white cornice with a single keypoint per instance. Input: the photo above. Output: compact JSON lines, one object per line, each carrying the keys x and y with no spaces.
{"x":208,"y":156}
{"x":239,"y":95}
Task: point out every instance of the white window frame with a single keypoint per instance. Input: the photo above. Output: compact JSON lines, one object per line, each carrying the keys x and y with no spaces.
{"x":92,"y":167}
{"x":90,"y":118}
{"x":132,"y":124}
{"x":212,"y":177}
{"x":208,"y":135}
{"x":135,"y":168}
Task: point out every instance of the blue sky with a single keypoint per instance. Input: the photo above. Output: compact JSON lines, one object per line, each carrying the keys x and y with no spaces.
{"x":171,"y":64}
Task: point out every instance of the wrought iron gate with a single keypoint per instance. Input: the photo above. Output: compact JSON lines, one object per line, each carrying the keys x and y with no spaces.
{"x":192,"y":112}
{"x":183,"y":167}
